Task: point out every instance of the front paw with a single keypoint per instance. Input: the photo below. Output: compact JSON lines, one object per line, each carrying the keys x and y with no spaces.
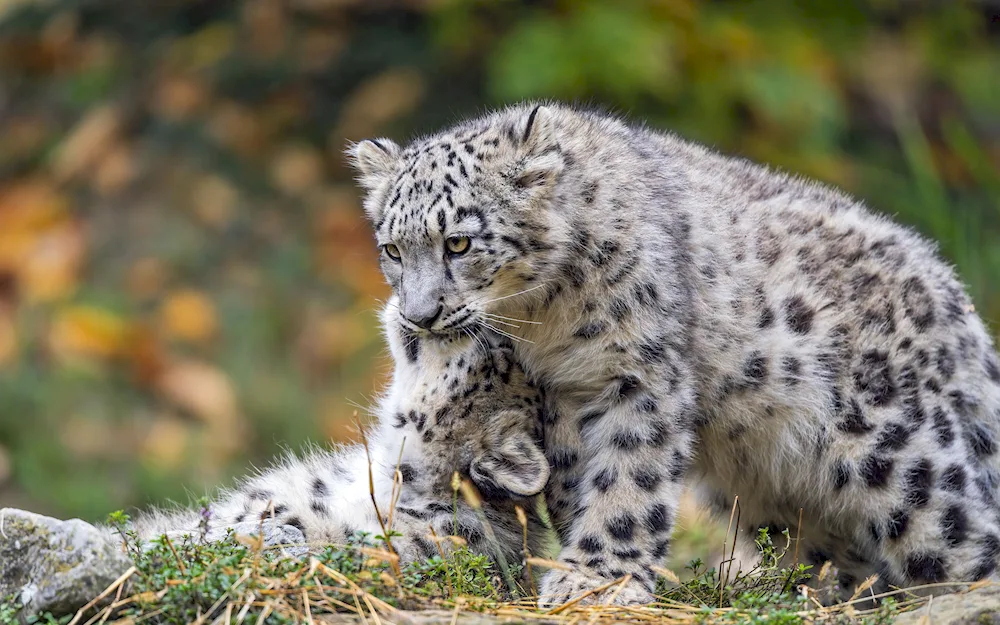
{"x":558,"y":587}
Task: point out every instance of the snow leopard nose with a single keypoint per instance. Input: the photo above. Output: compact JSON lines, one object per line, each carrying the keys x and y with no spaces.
{"x":424,"y":318}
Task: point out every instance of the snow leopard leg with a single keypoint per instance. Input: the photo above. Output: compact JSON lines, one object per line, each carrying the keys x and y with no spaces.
{"x":617,"y":480}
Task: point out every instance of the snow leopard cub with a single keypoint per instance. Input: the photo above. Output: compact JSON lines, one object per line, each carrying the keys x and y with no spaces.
{"x":695,"y":318}
{"x":460,"y":405}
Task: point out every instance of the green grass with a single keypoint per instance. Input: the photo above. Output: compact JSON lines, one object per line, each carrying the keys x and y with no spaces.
{"x":237,"y":581}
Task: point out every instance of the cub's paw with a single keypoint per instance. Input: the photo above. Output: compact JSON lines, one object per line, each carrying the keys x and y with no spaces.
{"x":558,"y":587}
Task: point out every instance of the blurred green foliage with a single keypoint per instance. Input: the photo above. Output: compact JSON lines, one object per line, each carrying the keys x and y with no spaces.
{"x":186,"y":280}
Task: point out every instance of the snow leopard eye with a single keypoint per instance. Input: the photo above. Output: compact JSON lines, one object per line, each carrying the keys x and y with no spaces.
{"x":457,"y":245}
{"x":392,"y":252}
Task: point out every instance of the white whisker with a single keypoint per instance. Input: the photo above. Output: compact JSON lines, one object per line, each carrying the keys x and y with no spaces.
{"x":537,"y":286}
{"x":475,"y":337}
{"x":503,"y":323}
{"x":496,"y":316}
{"x":505,"y":333}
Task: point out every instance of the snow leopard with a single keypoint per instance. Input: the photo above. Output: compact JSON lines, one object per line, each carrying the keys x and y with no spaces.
{"x":452,"y":406}
{"x":697,"y":320}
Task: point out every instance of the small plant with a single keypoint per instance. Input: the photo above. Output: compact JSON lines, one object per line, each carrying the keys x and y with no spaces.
{"x":464,"y":572}
{"x":204,"y":517}
{"x":119,"y":522}
{"x":10,"y":607}
{"x":767,"y":581}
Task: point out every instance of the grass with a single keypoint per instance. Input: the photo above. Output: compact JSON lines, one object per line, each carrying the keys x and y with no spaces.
{"x":239,"y":581}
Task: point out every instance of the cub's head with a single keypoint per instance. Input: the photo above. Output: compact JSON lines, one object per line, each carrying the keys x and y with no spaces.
{"x":462,"y":218}
{"x":467,"y":406}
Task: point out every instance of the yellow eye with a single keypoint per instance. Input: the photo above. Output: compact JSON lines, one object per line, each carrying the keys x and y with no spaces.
{"x":457,"y":245}
{"x":392,"y":251}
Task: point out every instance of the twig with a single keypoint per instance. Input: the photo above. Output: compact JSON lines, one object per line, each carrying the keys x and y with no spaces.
{"x":107,"y":591}
{"x":110,"y":609}
{"x":264,"y":614}
{"x":397,"y":484}
{"x":437,"y":542}
{"x":549,"y":564}
{"x":361,"y":611}
{"x":798,"y":536}
{"x":522,"y":518}
{"x":368,"y":602}
{"x":729,"y":568}
{"x":371,"y":491}
{"x":180,"y":563}
{"x":592,"y":591}
{"x":215,"y":606}
{"x":618,"y":590}
{"x":305,"y":603}
{"x":242,"y":614}
{"x":471,"y":496}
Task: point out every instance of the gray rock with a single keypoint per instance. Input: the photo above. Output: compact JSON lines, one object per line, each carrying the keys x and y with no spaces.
{"x":55,"y":566}
{"x":975,"y":607}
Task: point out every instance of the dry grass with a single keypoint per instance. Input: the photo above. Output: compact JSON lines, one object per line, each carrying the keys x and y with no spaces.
{"x":242,"y":582}
{"x":239,"y":581}
{"x":316,"y":593}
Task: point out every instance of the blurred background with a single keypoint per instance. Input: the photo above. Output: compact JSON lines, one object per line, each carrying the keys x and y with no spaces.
{"x":187,"y":283}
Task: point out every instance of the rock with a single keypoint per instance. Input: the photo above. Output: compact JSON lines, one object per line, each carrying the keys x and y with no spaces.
{"x":975,"y":607}
{"x":55,"y":566}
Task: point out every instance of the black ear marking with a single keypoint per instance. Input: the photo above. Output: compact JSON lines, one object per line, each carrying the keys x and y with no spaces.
{"x":379,"y":145}
{"x":531,"y":123}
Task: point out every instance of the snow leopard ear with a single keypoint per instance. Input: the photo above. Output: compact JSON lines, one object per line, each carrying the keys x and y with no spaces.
{"x":543,"y":160}
{"x":517,"y":467}
{"x":375,"y":160}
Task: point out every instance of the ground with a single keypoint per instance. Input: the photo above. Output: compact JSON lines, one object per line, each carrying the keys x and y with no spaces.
{"x":240,"y":581}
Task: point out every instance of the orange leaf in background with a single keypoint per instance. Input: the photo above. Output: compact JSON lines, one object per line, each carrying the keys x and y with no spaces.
{"x":8,"y":340}
{"x":145,"y":354}
{"x":87,"y":437}
{"x":317,"y":49}
{"x":376,"y":101}
{"x":116,"y":170}
{"x":51,"y":268}
{"x":39,"y":243}
{"x":27,"y":210}
{"x":296,"y":168}
{"x":165,"y":443}
{"x":202,"y":389}
{"x":189,"y":316}
{"x":266,"y":28}
{"x":234,"y":126}
{"x":87,"y":143}
{"x":214,"y":199}
{"x":179,"y":98}
{"x":146,"y":277}
{"x":23,"y":136}
{"x":87,"y":331}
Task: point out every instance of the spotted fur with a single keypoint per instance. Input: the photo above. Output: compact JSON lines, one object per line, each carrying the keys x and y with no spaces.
{"x":694,"y":318}
{"x":452,"y":406}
